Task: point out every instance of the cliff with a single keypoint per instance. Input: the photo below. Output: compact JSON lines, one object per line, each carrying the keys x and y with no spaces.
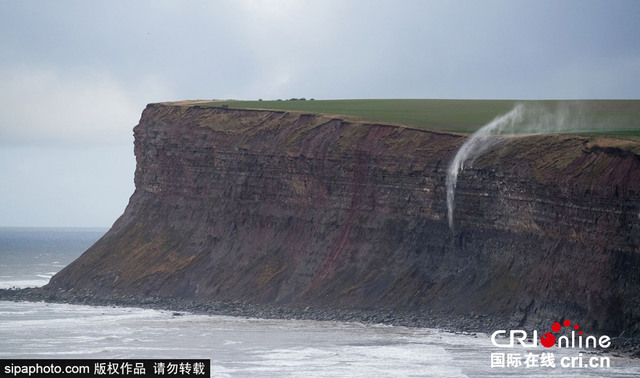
{"x":309,"y":210}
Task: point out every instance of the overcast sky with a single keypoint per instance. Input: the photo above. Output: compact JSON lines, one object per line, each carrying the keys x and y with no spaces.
{"x":75,"y":75}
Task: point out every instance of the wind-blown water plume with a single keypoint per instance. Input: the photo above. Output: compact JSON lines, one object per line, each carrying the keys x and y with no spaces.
{"x":530,"y":119}
{"x":478,"y":143}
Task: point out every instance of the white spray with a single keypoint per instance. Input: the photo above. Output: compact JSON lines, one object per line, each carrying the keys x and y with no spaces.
{"x":534,"y":119}
{"x":477,"y":144}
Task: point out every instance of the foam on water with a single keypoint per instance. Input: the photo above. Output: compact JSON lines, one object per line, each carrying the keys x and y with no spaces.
{"x":257,"y":347}
{"x":9,"y":284}
{"x":236,"y":346}
{"x":29,"y":257}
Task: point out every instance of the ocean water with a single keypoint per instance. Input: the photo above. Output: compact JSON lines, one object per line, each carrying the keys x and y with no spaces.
{"x":29,"y":257}
{"x":245,"y":346}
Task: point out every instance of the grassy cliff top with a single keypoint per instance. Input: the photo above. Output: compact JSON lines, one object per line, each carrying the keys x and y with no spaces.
{"x":611,"y":117}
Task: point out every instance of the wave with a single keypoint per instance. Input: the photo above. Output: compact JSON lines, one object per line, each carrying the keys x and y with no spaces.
{"x":21,"y":284}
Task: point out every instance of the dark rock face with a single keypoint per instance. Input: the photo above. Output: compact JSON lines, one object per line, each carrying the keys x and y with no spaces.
{"x":299,"y":210}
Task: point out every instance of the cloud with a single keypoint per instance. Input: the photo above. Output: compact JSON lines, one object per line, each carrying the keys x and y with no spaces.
{"x":615,"y":77}
{"x":73,"y":186}
{"x":76,"y":75}
{"x":44,"y":106}
{"x":251,"y":49}
{"x":66,"y":144}
{"x":279,"y":9}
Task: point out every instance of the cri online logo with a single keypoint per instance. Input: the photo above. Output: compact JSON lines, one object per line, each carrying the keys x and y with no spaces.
{"x":548,"y":339}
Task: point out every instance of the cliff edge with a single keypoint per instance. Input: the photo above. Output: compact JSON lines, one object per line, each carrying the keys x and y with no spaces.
{"x":310,"y":210}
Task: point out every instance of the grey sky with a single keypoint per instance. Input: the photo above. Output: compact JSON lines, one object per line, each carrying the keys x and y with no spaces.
{"x":76,"y":74}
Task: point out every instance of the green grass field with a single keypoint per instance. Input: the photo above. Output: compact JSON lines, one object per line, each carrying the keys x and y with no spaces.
{"x":613,"y":117}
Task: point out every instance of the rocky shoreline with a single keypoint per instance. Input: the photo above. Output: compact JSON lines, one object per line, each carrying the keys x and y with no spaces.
{"x":471,"y":324}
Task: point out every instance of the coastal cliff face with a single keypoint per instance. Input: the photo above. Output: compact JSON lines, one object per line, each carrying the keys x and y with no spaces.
{"x":308,"y":210}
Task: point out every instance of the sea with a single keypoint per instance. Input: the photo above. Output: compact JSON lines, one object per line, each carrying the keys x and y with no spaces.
{"x":251,"y":347}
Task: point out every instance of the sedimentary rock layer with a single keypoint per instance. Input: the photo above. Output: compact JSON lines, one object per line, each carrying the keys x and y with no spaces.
{"x":309,"y":210}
